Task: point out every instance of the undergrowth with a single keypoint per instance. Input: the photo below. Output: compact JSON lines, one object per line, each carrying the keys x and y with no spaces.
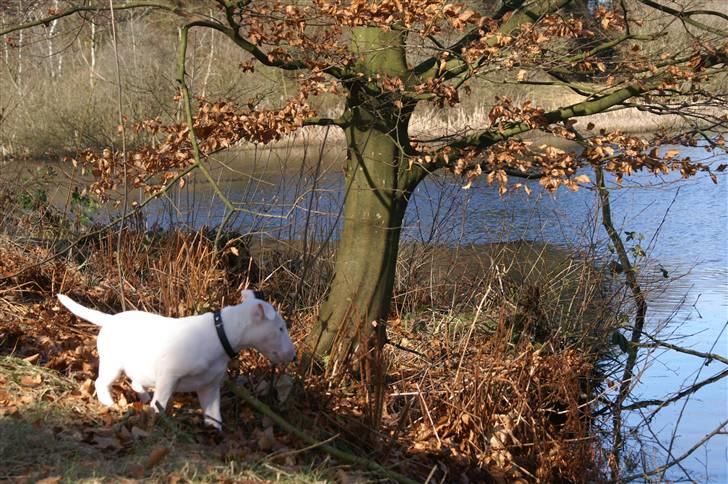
{"x":492,"y":371}
{"x":465,"y":392}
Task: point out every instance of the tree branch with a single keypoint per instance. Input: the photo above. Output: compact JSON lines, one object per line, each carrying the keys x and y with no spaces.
{"x":664,"y":344}
{"x":491,"y":136}
{"x":429,"y":68}
{"x":341,"y":122}
{"x":339,"y":454}
{"x":662,"y":468}
{"x":195,"y":19}
{"x":233,"y":33}
{"x":187,"y":102}
{"x":663,"y":403}
{"x":686,"y":16}
{"x":640,"y":315}
{"x":169,"y":6}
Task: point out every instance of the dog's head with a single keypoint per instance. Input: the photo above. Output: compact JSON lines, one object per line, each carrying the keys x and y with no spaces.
{"x":267,"y":331}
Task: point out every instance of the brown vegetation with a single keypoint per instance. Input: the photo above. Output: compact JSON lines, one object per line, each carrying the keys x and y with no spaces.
{"x":501,"y":385}
{"x":487,"y":403}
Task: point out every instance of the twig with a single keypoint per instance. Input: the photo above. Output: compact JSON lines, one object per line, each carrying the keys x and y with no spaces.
{"x":640,"y":314}
{"x":408,"y":350}
{"x":197,"y":153}
{"x":278,"y":455}
{"x":662,"y":468}
{"x":339,"y":454}
{"x":427,"y":412}
{"x":470,"y":333}
{"x":688,"y":391}
{"x":708,"y":356}
{"x":122,"y":126}
{"x":170,"y":6}
{"x":103,"y":229}
{"x":687,"y":399}
{"x":171,"y":425}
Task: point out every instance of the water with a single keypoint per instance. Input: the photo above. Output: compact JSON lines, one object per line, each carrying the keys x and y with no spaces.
{"x":682,"y":226}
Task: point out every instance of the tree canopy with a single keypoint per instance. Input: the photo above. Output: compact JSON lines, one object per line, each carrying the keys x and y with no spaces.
{"x":386,"y":58}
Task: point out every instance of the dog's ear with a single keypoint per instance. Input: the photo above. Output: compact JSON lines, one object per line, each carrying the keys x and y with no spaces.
{"x":246,"y":294}
{"x":264,"y":311}
{"x":270,"y":311}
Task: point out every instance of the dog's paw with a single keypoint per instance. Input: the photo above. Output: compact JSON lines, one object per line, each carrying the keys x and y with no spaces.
{"x":214,"y":423}
{"x":106,"y":399}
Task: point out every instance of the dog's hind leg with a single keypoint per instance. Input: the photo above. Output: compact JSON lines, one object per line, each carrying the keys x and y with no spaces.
{"x":143,"y":395}
{"x":108,"y":372}
{"x":210,"y":402}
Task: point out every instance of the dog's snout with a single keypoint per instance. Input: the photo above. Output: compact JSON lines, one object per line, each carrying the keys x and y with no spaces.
{"x":289,"y":355}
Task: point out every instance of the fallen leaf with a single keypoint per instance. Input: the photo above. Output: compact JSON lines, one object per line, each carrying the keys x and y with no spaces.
{"x":344,"y":477}
{"x":173,"y":479}
{"x":49,"y":480}
{"x":87,"y":387}
{"x":124,"y":436}
{"x":32,"y":358}
{"x":8,"y":411}
{"x":31,"y":380}
{"x":155,"y":456}
{"x":138,"y":472}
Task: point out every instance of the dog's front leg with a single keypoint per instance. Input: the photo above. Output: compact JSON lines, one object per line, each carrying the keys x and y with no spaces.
{"x":210,"y":402}
{"x":163,"y":391}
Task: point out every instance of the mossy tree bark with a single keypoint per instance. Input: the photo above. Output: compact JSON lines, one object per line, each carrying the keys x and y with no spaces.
{"x":377,"y":188}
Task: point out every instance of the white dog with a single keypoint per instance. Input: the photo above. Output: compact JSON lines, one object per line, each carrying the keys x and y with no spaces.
{"x":183,"y":354}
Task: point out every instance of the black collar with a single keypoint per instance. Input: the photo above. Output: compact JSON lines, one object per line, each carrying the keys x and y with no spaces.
{"x":221,"y":335}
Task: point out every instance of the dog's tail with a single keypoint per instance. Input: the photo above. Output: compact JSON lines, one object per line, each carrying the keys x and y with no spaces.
{"x":92,"y":315}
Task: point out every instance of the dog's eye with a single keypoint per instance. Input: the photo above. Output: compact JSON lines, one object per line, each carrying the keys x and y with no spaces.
{"x":281,"y":329}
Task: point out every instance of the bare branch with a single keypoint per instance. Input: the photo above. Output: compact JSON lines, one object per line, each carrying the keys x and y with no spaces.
{"x":325,"y":122}
{"x":686,"y":16}
{"x":717,"y":431}
{"x":169,"y":6}
{"x":688,"y":391}
{"x":194,"y":20}
{"x":708,"y":356}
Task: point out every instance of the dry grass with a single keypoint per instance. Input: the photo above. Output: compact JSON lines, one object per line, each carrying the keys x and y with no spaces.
{"x":53,"y":427}
{"x":492,"y":392}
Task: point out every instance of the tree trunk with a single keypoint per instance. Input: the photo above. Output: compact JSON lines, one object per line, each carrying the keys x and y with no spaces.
{"x":374,"y":204}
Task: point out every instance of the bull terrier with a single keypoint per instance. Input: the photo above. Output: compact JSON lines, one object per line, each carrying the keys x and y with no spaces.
{"x":188,"y":354}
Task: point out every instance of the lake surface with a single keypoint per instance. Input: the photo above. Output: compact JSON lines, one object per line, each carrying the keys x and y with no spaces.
{"x":684,"y":226}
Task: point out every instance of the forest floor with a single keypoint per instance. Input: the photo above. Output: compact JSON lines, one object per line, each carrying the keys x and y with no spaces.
{"x":470,"y":393}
